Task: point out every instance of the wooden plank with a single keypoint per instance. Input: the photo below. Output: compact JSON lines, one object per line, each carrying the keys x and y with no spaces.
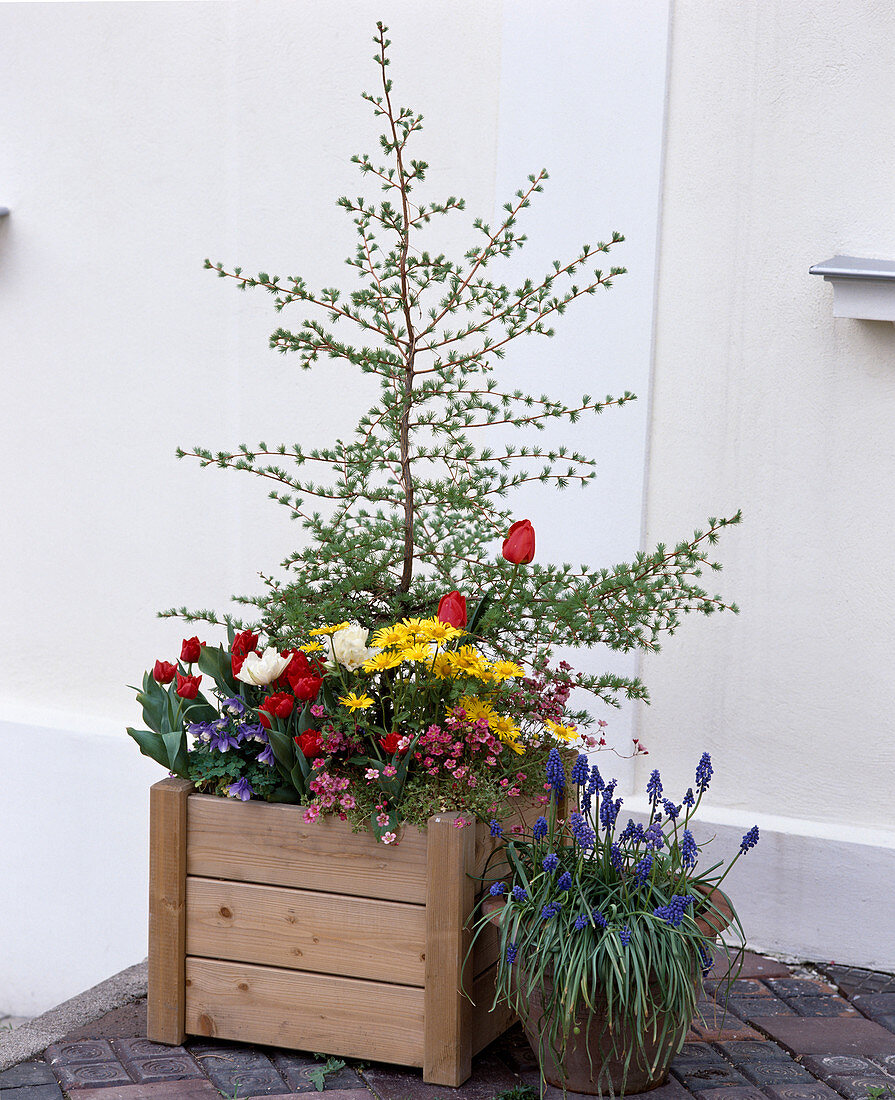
{"x":450,"y":896}
{"x":167,"y":901}
{"x":271,"y":843}
{"x":306,"y":930}
{"x":316,"y":1012}
{"x":488,"y":1025}
{"x":486,"y":949}
{"x":485,"y":844}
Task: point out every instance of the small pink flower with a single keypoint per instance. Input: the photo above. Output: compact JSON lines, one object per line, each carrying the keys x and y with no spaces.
{"x":460,"y":823}
{"x":389,"y":838}
{"x":318,"y":763}
{"x":513,"y":792}
{"x":518,"y":830}
{"x":317,"y":710}
{"x":371,"y":773}
{"x":504,"y":782}
{"x":348,"y":802}
{"x":389,"y":770}
{"x":382,"y":820}
{"x":311,"y":814}
{"x":543,"y":799}
{"x":472,"y":781}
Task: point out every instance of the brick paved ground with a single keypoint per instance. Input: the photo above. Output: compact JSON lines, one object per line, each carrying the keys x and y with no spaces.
{"x":780,"y":1036}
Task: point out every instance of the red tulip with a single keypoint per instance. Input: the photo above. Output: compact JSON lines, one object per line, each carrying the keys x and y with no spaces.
{"x":243,"y":644}
{"x":164,"y":671}
{"x":188,"y":686}
{"x":279,"y":705}
{"x":519,"y":545}
{"x":190,"y":650}
{"x":310,"y":743}
{"x":452,"y":609}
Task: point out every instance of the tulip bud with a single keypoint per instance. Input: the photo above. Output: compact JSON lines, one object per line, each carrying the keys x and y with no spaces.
{"x":452,"y":610}
{"x":190,"y":650}
{"x":163,"y":672}
{"x":187,"y":686}
{"x":519,"y":545}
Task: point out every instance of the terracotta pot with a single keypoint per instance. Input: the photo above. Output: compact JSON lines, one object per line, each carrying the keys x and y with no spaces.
{"x":589,"y":1063}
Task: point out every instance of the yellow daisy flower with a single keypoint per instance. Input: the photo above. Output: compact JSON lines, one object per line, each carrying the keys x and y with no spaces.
{"x":328,"y":629}
{"x":477,"y":708}
{"x":442,"y":667}
{"x":381,"y":662}
{"x":416,"y":651}
{"x":506,"y":670}
{"x":356,"y":702}
{"x":568,"y":734}
{"x":311,"y":647}
{"x":390,"y":635}
{"x":434,"y":630}
{"x":468,"y":660}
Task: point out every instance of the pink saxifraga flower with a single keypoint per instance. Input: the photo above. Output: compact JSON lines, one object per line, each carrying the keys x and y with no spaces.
{"x":382,"y":820}
{"x":460,"y":823}
{"x":389,"y":838}
{"x":389,"y":770}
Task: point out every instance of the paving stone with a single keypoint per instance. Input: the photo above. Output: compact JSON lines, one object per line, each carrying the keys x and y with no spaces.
{"x":83,"y":1050}
{"x":163,"y":1069}
{"x":828,"y":1035}
{"x":852,"y":979}
{"x":158,"y":1090}
{"x":886,"y":1061}
{"x":514,"y":1050}
{"x":800,"y":987}
{"x":730,"y":1092}
{"x":887,"y":1021}
{"x":697,"y":1054}
{"x":334,"y":1094}
{"x":671,"y":1090}
{"x":34,"y":1092}
{"x":489,"y":1077}
{"x":774,"y":1073}
{"x":764,"y":1051}
{"x":857,"y":1088}
{"x":742,"y":987}
{"x":799,"y":1091}
{"x":295,"y":1068}
{"x":734,"y":1031}
{"x":91,"y":1074}
{"x":821,"y":1006}
{"x":754,"y":966}
{"x":875,"y":1005}
{"x":27,"y":1073}
{"x":845,"y":1065}
{"x":708,"y":1077}
{"x":241,"y":1068}
{"x":747,"y":1008}
{"x":128,"y":1049}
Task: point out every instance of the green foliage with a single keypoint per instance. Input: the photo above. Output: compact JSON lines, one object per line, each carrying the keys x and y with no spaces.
{"x":409,"y":506}
{"x":318,"y":1075}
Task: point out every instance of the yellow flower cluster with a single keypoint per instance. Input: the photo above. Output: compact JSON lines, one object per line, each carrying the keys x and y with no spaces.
{"x":499,"y":724}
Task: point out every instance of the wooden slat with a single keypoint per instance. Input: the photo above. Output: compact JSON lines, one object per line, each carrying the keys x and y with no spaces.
{"x":271,"y":843}
{"x":485,"y":844}
{"x":306,"y":930}
{"x":485,"y":951}
{"x":487,"y":1025}
{"x":167,"y":897}
{"x":316,"y":1012}
{"x":450,"y":896}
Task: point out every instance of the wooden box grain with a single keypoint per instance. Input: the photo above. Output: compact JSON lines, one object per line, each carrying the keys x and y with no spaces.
{"x":265,"y":929}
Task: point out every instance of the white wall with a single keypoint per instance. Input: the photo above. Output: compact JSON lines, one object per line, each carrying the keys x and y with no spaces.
{"x":779,"y":155}
{"x":135,"y":140}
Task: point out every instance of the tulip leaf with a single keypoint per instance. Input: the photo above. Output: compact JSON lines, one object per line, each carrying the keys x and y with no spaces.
{"x":283,"y":749}
{"x":299,"y":774}
{"x":477,"y":615}
{"x":214,"y":662}
{"x":178,"y":760}
{"x":151,"y":745}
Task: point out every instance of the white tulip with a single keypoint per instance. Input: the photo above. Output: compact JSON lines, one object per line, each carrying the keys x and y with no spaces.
{"x":261,"y":669}
{"x":349,"y":647}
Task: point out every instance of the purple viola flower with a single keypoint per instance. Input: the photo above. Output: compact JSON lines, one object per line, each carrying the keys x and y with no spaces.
{"x":221,"y":737}
{"x":266,"y":756}
{"x":749,"y":840}
{"x":198,"y":730}
{"x":704,"y":772}
{"x":241,"y":789}
{"x":235,"y":705}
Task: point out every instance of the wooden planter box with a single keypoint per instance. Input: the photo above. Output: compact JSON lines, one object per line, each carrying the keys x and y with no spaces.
{"x":264,"y":929}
